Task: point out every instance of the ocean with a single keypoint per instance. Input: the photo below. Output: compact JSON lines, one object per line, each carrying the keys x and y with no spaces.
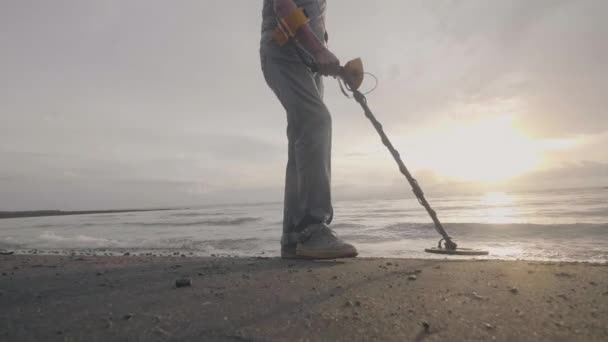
{"x":557,"y":225}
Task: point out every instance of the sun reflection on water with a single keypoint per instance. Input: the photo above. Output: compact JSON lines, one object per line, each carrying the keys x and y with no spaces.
{"x":499,"y":207}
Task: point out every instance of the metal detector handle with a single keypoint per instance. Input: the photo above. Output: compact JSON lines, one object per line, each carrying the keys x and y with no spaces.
{"x":447,"y":241}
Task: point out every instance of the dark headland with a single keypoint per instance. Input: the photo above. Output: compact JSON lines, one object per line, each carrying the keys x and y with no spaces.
{"x":38,"y":213}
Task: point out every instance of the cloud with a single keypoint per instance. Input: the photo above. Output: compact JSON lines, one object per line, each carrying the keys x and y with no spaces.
{"x":115,"y":94}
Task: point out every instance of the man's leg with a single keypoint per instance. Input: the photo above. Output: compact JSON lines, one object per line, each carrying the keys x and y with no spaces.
{"x":308,"y":174}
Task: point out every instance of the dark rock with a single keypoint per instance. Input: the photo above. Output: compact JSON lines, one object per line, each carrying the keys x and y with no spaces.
{"x":127,"y":316}
{"x":7,"y":253}
{"x":564,"y":274}
{"x":488,"y":326}
{"x":183,"y":282}
{"x":514,"y":290}
{"x":426,"y":326}
{"x":411,"y":277}
{"x":126,"y":254}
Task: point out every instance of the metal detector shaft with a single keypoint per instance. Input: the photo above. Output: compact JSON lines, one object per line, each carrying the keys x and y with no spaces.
{"x":360,"y":98}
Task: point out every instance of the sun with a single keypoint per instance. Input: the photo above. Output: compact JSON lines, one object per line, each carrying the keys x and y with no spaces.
{"x":487,"y":150}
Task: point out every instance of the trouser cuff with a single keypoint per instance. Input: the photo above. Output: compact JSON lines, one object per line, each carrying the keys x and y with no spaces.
{"x":290,"y":239}
{"x":295,"y":237}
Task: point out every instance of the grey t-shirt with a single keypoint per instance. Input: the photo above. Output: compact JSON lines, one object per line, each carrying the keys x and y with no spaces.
{"x":315,"y":10}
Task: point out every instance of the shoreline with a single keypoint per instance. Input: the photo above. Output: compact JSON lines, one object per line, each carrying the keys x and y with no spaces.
{"x":101,"y":298}
{"x":186,"y":253}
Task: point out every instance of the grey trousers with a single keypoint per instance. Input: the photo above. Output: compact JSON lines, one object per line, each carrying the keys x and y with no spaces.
{"x":308,"y":176}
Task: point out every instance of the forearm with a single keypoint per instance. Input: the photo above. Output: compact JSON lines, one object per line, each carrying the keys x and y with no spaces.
{"x":304,"y":35}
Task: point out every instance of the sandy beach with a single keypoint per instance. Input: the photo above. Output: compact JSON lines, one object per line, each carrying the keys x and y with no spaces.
{"x":135,"y":298}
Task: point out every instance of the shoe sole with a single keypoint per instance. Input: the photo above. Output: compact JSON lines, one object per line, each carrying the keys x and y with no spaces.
{"x":317,"y":254}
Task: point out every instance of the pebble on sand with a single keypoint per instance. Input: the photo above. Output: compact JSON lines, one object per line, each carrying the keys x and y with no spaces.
{"x":183,"y":282}
{"x":426,"y":326}
{"x":514,"y":290}
{"x":411,"y":277}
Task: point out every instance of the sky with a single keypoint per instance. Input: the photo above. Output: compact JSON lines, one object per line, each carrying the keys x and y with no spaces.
{"x":148,"y":103}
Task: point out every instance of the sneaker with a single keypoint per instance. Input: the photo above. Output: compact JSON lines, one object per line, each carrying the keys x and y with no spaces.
{"x":318,"y":241}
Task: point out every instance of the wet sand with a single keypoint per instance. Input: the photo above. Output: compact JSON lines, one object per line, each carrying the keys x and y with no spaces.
{"x":134,"y":298}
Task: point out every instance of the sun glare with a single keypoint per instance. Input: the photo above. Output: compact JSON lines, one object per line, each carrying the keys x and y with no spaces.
{"x":489,"y":150}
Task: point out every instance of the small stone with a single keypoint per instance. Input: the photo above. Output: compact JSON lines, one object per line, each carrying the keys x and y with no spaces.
{"x":348,"y":303}
{"x":592,"y":283}
{"x":418,"y":271}
{"x":477,"y":296}
{"x":160,"y":331}
{"x":488,"y":326}
{"x":411,"y":277}
{"x":126,"y":254}
{"x":183,"y":282}
{"x":564,"y":274}
{"x":99,"y":273}
{"x":127,"y":316}
{"x":389,"y":264}
{"x":426,"y":326}
{"x":358,"y":303}
{"x":514,"y":290}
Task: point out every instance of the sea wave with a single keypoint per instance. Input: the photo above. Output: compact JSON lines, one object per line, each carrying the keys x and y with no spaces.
{"x":217,"y":222}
